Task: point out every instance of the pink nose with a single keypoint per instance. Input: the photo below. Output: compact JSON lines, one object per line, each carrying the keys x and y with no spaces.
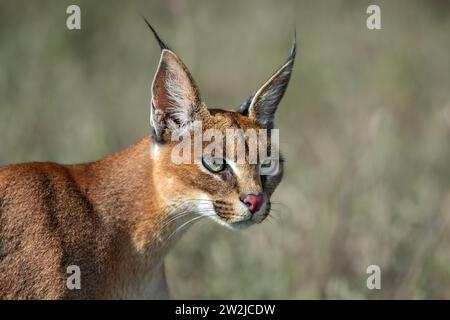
{"x":253,"y":201}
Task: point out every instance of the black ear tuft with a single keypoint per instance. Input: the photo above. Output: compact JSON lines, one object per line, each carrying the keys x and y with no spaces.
{"x":243,"y":108}
{"x":293,"y":52}
{"x":161,"y":43}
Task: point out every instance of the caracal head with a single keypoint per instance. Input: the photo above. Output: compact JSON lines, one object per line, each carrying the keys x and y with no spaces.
{"x":212,"y":162}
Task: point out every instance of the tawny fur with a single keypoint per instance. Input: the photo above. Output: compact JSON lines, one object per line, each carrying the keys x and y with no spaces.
{"x":90,"y":215}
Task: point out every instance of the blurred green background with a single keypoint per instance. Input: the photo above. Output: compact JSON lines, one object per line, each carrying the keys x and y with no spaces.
{"x":365,"y":128}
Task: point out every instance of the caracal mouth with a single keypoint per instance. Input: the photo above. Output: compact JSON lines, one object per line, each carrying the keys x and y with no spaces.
{"x":242,"y":221}
{"x":247,"y":222}
{"x":243,"y":224}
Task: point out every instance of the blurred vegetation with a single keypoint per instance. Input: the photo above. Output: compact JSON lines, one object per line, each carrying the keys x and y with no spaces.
{"x":365,"y":129}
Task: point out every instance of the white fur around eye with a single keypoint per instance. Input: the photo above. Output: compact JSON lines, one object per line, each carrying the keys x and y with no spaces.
{"x":234,"y":168}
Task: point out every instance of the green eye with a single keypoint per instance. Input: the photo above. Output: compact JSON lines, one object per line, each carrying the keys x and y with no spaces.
{"x":214,"y":164}
{"x":266,"y":164}
{"x":268,"y":167}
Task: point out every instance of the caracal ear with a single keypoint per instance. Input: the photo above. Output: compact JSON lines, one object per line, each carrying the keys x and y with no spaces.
{"x":176,"y":101}
{"x":175,"y":96}
{"x":263,"y":104}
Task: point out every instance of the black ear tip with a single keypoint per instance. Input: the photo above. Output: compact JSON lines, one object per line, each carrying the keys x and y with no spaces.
{"x":293,"y":51}
{"x":161,"y":43}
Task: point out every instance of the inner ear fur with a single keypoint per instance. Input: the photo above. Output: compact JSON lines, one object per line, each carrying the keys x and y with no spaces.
{"x":175,"y":96}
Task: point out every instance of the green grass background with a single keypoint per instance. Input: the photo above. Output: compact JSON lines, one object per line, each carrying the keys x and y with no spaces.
{"x":365,"y":128}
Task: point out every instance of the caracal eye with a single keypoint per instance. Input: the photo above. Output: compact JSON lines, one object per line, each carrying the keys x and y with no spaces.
{"x":213,"y":164}
{"x":265,"y":166}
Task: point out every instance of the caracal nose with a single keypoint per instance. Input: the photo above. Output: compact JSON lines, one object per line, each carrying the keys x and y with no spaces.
{"x":253,"y":201}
